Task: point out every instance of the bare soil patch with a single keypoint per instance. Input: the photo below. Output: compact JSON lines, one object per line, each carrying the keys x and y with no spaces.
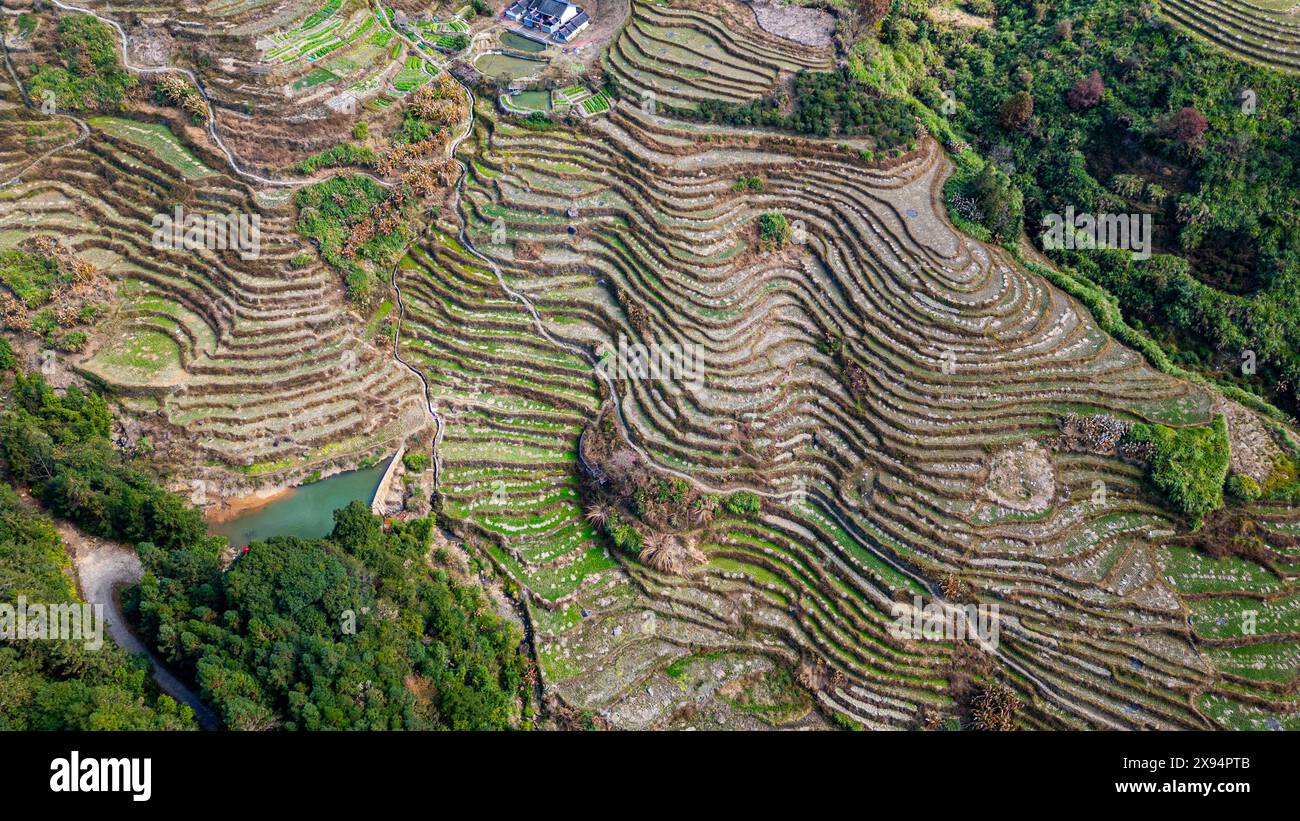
{"x":234,"y":507}
{"x":959,"y":18}
{"x":1022,"y":478}
{"x":1253,"y":450}
{"x":607,"y":18}
{"x":800,"y":24}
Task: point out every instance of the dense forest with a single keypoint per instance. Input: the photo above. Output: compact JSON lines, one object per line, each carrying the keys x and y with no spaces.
{"x":1103,"y":106}
{"x":65,"y":685}
{"x":357,"y":631}
{"x":349,"y":632}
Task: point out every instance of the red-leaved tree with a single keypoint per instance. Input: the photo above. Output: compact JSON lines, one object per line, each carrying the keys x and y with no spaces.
{"x":1188,"y":127}
{"x":1087,"y":92}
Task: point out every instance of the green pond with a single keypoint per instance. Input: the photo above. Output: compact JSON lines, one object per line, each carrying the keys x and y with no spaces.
{"x":532,"y":100}
{"x":308,"y":512}
{"x":518,"y":42}
{"x":508,"y":66}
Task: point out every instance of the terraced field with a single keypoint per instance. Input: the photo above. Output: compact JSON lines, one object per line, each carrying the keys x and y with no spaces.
{"x":286,"y":79}
{"x":873,"y":495}
{"x":682,"y":54}
{"x":233,"y":366}
{"x":879,"y":418}
{"x":1263,"y":31}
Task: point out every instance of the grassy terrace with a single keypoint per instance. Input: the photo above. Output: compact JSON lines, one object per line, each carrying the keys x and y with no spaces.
{"x":897,"y":467}
{"x":514,"y":408}
{"x":250,"y":358}
{"x":157,"y":140}
{"x":681,"y":55}
{"x":1261,"y":32}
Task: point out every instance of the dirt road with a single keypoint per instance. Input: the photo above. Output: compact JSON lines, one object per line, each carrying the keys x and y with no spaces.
{"x":103,"y":569}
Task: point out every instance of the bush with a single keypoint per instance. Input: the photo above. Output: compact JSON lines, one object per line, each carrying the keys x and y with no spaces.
{"x":1016,"y":111}
{"x":349,"y":632}
{"x":341,"y":155}
{"x":73,"y":342}
{"x":1087,"y":92}
{"x":32,"y":278}
{"x":413,"y":129}
{"x":773,"y":230}
{"x":66,"y":685}
{"x":415,"y":461}
{"x":1189,"y":465}
{"x":743,"y":503}
{"x":59,"y":446}
{"x":538,"y":121}
{"x":8,"y":361}
{"x":1000,"y":203}
{"x":1243,"y":488}
{"x":327,"y":213}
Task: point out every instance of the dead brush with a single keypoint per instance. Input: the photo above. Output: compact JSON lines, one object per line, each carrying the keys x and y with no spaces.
{"x":994,"y":708}
{"x":1230,"y":531}
{"x":670,"y":553}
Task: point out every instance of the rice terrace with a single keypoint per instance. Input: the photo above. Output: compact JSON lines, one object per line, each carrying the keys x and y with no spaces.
{"x":652,"y":364}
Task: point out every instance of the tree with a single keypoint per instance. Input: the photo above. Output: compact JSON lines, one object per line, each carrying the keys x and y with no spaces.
{"x":857,"y":16}
{"x":1016,"y":111}
{"x":1001,"y":204}
{"x":774,"y":230}
{"x":1087,"y":92}
{"x":743,"y":503}
{"x":873,"y":11}
{"x":356,"y":529}
{"x":1188,"y":126}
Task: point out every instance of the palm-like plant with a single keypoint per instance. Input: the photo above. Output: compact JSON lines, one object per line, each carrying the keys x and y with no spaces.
{"x":654,"y":546}
{"x":599,"y":514}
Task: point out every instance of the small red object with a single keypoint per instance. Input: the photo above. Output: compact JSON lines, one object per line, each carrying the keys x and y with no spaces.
{"x":245,"y":548}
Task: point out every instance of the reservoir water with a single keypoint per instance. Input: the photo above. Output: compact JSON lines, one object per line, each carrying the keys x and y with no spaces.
{"x":519,"y":42}
{"x":307,"y":512}
{"x":500,"y":65}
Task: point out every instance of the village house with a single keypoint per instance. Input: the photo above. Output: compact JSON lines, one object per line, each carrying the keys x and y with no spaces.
{"x":558,"y":18}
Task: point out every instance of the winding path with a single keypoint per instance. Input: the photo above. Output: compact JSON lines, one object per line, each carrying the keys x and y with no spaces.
{"x":129,"y":641}
{"x":82,"y":128}
{"x":103,"y":569}
{"x":212,"y":109}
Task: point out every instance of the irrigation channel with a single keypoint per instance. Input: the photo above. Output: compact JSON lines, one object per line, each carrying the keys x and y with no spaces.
{"x":1045,"y":688}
